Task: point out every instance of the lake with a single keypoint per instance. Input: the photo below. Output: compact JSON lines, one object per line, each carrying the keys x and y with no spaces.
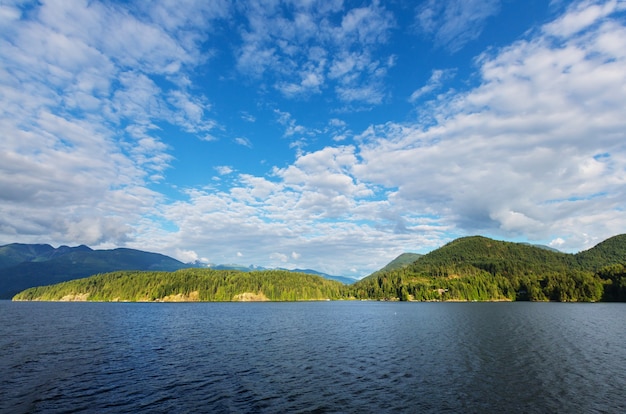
{"x":366,"y":357}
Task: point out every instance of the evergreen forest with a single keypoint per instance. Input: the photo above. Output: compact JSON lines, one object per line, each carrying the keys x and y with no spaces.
{"x":192,"y":284}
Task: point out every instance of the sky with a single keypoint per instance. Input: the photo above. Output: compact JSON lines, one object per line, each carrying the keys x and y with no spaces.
{"x":329,"y":135}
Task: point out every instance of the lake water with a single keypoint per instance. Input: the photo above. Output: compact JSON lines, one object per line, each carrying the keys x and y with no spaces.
{"x":366,"y":357}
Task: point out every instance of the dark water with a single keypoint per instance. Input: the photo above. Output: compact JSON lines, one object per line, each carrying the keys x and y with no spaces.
{"x":312,"y":357}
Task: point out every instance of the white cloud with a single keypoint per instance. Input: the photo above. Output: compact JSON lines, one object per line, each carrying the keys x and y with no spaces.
{"x":280,"y":257}
{"x":455,"y":23}
{"x":86,"y":87}
{"x":292,"y":49}
{"x":514,"y":155}
{"x":189,"y":112}
{"x":290,"y":124}
{"x":186,"y":256}
{"x":436,"y":80}
{"x":9,"y":14}
{"x":248,"y":117}
{"x":370,"y":94}
{"x":223,"y":169}
{"x":244,"y":142}
{"x":581,"y":16}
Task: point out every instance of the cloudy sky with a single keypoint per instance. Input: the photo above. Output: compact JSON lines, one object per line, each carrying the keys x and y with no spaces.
{"x":331,"y":135}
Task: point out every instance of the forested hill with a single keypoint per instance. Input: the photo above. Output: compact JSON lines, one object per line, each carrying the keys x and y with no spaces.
{"x":610,"y":251}
{"x":479,"y":268}
{"x":191,"y":284}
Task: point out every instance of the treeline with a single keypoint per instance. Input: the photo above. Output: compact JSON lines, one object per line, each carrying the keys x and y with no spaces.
{"x":190,"y":285}
{"x":479,"y":285}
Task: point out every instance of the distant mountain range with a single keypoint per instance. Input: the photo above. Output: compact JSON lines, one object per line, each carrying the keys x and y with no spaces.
{"x":28,"y":265}
{"x":252,"y":268}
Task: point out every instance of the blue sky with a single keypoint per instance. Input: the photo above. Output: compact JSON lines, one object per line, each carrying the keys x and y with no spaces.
{"x":311,"y":134}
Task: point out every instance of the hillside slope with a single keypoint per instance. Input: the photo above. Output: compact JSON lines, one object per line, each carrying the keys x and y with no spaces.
{"x":611,"y":251}
{"x":191,"y":284}
{"x":404,"y":260}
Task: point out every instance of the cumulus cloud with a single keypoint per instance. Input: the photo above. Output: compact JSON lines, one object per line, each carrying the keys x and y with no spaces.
{"x":86,"y":88}
{"x":519,"y":154}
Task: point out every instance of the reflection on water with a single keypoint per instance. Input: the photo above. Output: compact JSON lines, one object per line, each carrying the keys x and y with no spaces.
{"x":312,"y":357}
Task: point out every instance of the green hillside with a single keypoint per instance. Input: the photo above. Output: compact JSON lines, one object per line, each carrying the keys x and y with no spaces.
{"x":611,"y":251}
{"x":479,"y":268}
{"x":405,"y":259}
{"x":191,"y":285}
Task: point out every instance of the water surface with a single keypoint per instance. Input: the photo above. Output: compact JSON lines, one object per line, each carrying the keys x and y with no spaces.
{"x":312,"y":357}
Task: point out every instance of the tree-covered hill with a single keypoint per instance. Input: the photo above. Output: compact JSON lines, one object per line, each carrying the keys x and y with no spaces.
{"x":479,"y":268}
{"x":190,"y":285}
{"x":611,"y":251}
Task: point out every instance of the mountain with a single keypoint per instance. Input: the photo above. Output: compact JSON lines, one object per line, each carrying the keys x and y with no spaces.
{"x":16,"y":253}
{"x":343,"y":279}
{"x":479,"y":268}
{"x":27,"y":265}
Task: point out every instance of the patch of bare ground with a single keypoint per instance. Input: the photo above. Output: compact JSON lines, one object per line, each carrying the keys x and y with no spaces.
{"x":75,"y":297}
{"x":191,"y":297}
{"x":250,"y":297}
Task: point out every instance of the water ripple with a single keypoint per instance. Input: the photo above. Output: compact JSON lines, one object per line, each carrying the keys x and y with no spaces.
{"x":312,"y":357}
